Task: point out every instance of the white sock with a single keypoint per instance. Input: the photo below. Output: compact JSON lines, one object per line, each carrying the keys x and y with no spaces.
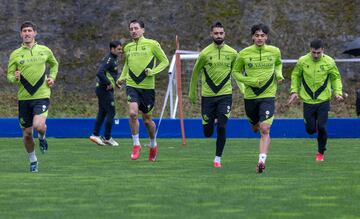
{"x":32,"y":157}
{"x":41,"y":135}
{"x":217,"y":159}
{"x":136,"y":139}
{"x":262,"y":157}
{"x":153,"y":143}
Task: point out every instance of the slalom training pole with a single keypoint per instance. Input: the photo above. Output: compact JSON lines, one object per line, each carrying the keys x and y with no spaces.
{"x":179,"y":90}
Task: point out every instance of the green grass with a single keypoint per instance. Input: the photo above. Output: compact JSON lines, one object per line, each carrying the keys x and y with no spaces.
{"x":77,"y":179}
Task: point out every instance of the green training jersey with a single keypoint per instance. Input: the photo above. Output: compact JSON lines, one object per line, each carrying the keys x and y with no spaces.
{"x":313,"y":80}
{"x":140,"y":55}
{"x":31,"y":62}
{"x":259,"y":68}
{"x":215,"y":63}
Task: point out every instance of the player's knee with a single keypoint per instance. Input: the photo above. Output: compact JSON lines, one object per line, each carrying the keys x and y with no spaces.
{"x":221,"y":127}
{"x":39,"y":126}
{"x":148,"y":122}
{"x":222,"y":122}
{"x":322,"y":128}
{"x":255,"y":128}
{"x":208,"y":131}
{"x":264,"y":129}
{"x":221,"y":130}
{"x":27,"y":134}
{"x":133,"y":115}
{"x":310,"y":130}
{"x":109,"y":119}
{"x":111,"y":114}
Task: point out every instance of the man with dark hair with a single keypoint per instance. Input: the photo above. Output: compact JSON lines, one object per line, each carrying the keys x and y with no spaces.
{"x":317,"y":44}
{"x":139,"y":74}
{"x":29,"y":24}
{"x":259,"y":67}
{"x":106,"y":76}
{"x":313,"y":77}
{"x":26,"y":69}
{"x":215,"y":62}
{"x":264,"y":28}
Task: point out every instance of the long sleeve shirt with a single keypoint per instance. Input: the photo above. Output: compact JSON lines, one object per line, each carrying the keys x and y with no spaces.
{"x":108,"y":71}
{"x":215,"y":63}
{"x":140,"y":55}
{"x":31,"y":62}
{"x":259,"y":68}
{"x":313,"y":80}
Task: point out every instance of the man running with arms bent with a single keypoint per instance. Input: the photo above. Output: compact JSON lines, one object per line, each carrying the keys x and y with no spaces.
{"x":262,"y":67}
{"x":26,"y":69}
{"x":215,"y":63}
{"x":139,"y":74}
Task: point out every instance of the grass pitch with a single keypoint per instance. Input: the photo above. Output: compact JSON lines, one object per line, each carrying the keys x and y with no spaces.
{"x":78,"y":179}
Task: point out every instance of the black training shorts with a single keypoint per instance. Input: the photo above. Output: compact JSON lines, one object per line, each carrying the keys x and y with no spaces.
{"x":145,"y":98}
{"x":260,"y":110}
{"x":29,"y":108}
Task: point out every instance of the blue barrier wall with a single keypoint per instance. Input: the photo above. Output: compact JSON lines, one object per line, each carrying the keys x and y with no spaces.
{"x":170,"y":128}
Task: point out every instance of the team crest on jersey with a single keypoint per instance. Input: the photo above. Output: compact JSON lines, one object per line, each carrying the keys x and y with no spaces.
{"x":322,"y":67}
{"x":129,"y":98}
{"x":267,"y":112}
{"x":22,"y":62}
{"x":227,"y":57}
{"x":269,"y":58}
{"x":250,"y":65}
{"x":143,"y":48}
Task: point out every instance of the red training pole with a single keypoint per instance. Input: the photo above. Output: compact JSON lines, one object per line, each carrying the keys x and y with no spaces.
{"x":179,"y":90}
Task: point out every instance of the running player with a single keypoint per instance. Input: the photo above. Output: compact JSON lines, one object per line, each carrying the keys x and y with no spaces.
{"x":314,"y":77}
{"x":215,"y":62}
{"x":139,"y":73}
{"x":26,"y":69}
{"x":259,"y":67}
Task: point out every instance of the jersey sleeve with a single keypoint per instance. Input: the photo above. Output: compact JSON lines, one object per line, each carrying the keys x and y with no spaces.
{"x":124,"y":71}
{"x":335,"y":79}
{"x":278,"y":67}
{"x":101,"y":74}
{"x":194,"y":77}
{"x":11,"y":69}
{"x":54,"y":65}
{"x":161,"y":56}
{"x":237,"y":73}
{"x":296,"y":78}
